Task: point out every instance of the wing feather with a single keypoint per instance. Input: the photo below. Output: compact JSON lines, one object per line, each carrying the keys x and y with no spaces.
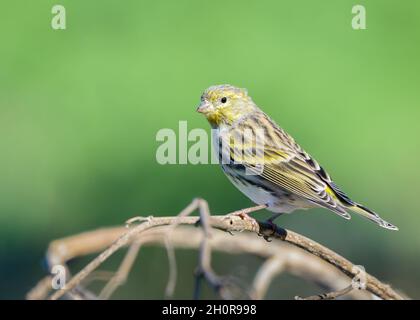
{"x":287,"y":166}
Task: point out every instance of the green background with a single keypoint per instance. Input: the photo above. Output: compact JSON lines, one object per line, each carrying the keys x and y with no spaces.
{"x":80,"y":108}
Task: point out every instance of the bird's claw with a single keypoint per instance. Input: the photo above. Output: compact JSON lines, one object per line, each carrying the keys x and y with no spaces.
{"x":267,"y":238}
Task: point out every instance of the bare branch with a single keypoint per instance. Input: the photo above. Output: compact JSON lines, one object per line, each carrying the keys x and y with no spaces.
{"x":229,"y":223}
{"x":269,"y":270}
{"x":330,"y":295}
{"x":173,"y":271}
{"x":297,"y":262}
{"x":41,"y":289}
{"x":122,"y":273}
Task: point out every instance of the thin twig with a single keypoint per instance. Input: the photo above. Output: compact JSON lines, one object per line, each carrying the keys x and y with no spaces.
{"x":225,"y":287}
{"x":173,"y":269}
{"x":204,"y":269}
{"x":329,"y":295}
{"x":272,"y":267}
{"x":122,"y":273}
{"x":119,"y":243}
{"x":41,"y":289}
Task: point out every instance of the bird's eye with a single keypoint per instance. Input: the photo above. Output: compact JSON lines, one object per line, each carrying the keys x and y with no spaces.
{"x":223,"y":100}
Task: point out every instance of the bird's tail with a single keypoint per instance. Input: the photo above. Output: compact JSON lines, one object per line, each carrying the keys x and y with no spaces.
{"x":369,"y":214}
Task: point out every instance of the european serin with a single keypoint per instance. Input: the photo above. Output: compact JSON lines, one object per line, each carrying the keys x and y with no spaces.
{"x":288,"y":178}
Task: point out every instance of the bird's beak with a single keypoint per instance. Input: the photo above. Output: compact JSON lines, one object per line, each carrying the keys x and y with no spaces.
{"x":204,"y":107}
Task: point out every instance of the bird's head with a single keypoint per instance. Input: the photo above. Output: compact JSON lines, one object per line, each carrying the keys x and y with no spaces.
{"x":223,"y":104}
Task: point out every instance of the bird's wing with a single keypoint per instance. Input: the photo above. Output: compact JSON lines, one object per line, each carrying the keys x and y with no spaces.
{"x":296,"y":176}
{"x":288,"y":166}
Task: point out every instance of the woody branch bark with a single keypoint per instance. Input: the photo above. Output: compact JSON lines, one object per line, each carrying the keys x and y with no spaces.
{"x":113,"y":239}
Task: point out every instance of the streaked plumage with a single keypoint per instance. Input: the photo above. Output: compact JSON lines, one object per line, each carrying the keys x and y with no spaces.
{"x":289,"y":178}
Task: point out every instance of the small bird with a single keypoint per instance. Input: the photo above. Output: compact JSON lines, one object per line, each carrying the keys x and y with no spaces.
{"x":272,"y":169}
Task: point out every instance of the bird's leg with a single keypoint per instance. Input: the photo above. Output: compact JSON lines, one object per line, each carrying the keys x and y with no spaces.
{"x":272,"y":225}
{"x":274,"y":217}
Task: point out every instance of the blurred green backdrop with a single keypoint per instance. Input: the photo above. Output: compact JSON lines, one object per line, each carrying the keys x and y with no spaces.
{"x":80,"y":108}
